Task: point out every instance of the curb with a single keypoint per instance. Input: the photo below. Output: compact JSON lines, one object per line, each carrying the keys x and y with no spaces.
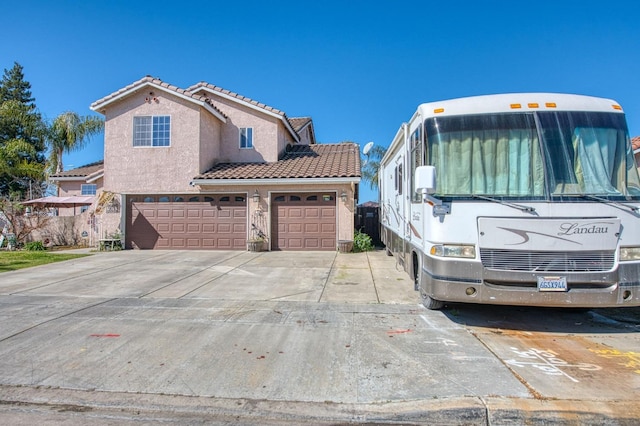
{"x":55,"y":404}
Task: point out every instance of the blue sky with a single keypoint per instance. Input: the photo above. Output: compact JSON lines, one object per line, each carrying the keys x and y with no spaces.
{"x":358,"y":68}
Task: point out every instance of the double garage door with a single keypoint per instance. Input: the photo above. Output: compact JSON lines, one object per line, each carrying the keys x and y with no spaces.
{"x":300,"y":221}
{"x":187,"y":222}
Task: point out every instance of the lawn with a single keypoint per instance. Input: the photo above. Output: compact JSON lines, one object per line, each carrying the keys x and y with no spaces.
{"x":13,"y":260}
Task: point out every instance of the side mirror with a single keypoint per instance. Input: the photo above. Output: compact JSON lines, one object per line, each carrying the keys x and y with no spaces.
{"x":425,"y":180}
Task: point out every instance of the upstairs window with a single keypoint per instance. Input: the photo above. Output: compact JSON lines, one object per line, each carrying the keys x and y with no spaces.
{"x":152,"y":130}
{"x":88,"y":189}
{"x":246,"y":137}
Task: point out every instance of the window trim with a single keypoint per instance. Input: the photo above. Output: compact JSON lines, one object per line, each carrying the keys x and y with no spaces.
{"x":84,"y":185}
{"x":250,"y":144}
{"x":153,"y":141}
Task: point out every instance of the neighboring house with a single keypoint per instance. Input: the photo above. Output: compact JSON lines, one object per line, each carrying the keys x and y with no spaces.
{"x":635,"y":141}
{"x":85,"y":181}
{"x":205,"y":168}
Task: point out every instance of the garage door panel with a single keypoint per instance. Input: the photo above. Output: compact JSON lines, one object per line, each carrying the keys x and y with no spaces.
{"x":178,"y":227}
{"x":312,"y":228}
{"x":187,"y":225}
{"x":312,"y":213}
{"x":328,"y":213}
{"x":328,"y":228}
{"x":194,"y":227}
{"x":295,"y":213}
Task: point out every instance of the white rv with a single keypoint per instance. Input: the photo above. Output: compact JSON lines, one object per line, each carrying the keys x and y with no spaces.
{"x":517,"y":199}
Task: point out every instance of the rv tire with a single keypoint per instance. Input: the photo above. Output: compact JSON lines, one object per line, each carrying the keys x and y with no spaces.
{"x":430,"y":303}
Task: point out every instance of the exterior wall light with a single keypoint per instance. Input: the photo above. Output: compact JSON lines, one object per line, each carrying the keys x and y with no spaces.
{"x":256,"y":196}
{"x":343,"y":197}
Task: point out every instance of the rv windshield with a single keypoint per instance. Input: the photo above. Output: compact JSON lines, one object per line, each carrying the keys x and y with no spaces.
{"x":504,"y":155}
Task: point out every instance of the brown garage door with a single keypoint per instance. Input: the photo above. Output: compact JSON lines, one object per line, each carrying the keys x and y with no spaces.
{"x":187,"y":222}
{"x":303,"y":221}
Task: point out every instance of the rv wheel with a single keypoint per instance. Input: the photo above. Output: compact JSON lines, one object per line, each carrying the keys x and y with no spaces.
{"x":430,"y":303}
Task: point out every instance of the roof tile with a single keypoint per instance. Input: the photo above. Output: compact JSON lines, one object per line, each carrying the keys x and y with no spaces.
{"x":301,"y":161}
{"x":82,"y":171}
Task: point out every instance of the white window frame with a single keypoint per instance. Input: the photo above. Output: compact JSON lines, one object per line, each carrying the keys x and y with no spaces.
{"x":87,"y":186}
{"x":244,"y":131}
{"x":146,"y":135}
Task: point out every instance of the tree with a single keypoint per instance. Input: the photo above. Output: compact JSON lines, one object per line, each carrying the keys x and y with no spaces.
{"x":372,"y":165}
{"x":69,"y":132}
{"x":13,"y":87}
{"x":22,"y":138}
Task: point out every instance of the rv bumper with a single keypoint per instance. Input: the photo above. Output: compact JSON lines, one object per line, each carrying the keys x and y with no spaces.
{"x":470,"y":282}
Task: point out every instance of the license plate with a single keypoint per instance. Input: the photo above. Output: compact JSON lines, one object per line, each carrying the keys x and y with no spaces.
{"x":552,"y":283}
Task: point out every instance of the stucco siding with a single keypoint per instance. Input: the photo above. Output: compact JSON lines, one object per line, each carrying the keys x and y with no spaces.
{"x":130,"y":169}
{"x":265,"y":133}
{"x":210,"y":139}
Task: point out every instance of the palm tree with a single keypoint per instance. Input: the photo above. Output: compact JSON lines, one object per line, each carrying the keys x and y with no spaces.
{"x":69,"y":132}
{"x":372,"y":165}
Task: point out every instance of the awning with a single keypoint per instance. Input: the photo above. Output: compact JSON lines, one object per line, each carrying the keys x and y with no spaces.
{"x":62,"y":201}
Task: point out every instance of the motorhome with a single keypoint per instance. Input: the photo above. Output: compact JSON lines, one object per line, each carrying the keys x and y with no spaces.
{"x":515,"y":199}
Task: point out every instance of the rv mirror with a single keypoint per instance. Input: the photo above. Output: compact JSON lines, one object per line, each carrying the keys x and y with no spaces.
{"x":425,"y":179}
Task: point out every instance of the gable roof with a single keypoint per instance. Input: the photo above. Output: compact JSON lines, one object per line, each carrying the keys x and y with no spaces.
{"x":635,"y":143}
{"x":150,"y":82}
{"x":87,"y":172}
{"x":318,"y":161}
{"x":235,"y":97}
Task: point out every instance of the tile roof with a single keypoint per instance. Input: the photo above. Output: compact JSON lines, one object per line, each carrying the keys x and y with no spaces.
{"x":635,"y":141}
{"x":148,"y":80}
{"x":203,"y":85}
{"x":300,"y":161}
{"x":298,"y":123}
{"x":82,"y":171}
{"x":213,"y":87}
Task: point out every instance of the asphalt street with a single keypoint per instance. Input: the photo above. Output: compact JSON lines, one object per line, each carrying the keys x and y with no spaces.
{"x":222,"y":337}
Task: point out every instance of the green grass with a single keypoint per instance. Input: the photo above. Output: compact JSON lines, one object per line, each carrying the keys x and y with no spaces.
{"x":13,"y":260}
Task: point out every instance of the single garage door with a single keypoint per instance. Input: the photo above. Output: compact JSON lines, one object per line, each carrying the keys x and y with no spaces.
{"x":187,"y":222}
{"x":303,"y":221}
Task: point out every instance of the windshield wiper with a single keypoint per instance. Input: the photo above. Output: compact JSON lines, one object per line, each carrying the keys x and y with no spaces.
{"x":604,"y":200}
{"x":520,"y":207}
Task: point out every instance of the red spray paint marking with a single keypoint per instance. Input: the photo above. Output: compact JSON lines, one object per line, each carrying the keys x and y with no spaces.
{"x":408,"y":330}
{"x":104,"y":335}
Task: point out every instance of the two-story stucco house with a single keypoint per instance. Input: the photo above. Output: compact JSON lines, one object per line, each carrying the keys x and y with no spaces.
{"x":206,"y":168}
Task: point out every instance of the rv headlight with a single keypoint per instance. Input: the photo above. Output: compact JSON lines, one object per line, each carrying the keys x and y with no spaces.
{"x":449,"y":250}
{"x":629,"y":253}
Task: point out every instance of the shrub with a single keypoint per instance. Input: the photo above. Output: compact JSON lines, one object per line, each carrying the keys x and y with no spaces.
{"x":34,"y":246}
{"x":362,"y":242}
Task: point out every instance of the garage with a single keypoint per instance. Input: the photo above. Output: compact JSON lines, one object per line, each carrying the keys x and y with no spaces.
{"x":187,"y":222}
{"x":303,"y":221}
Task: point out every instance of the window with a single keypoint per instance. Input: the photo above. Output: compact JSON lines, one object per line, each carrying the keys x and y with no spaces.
{"x":152,"y":130}
{"x":246,"y":137}
{"x":88,"y":189}
{"x":417,"y":160}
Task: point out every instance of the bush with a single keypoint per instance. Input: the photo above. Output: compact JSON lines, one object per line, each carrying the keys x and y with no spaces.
{"x":362,"y":242}
{"x":34,"y":246}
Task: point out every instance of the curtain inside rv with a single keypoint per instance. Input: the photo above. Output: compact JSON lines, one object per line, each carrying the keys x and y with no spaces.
{"x":491,"y":154}
{"x":599,"y":155}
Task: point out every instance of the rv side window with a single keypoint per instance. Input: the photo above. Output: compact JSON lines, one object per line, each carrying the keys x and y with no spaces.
{"x":399,"y":179}
{"x":417,"y":160}
{"x":395,"y":178}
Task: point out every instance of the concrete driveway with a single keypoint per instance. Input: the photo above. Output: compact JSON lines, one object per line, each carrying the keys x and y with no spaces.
{"x":221,"y":275}
{"x":219,"y":337}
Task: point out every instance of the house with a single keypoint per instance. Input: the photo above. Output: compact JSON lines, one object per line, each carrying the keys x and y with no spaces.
{"x":206,"y":168}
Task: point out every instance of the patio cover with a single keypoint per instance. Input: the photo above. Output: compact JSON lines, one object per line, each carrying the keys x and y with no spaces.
{"x":62,"y":201}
